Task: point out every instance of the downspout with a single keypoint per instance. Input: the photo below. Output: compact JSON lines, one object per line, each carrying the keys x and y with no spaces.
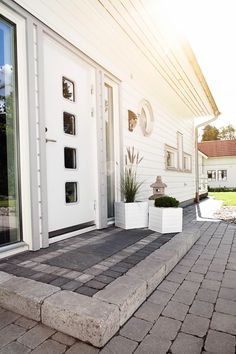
{"x":196,"y":153}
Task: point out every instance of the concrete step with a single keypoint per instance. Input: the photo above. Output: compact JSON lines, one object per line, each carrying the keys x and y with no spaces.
{"x":95,"y":320}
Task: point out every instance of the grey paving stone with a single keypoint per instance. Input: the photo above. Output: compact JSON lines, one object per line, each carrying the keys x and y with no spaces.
{"x":153,"y":345}
{"x":223,"y":323}
{"x":176,"y":310}
{"x":25,"y":322}
{"x":195,"y":325}
{"x":214,"y":275}
{"x":136,"y":329}
{"x":195,"y":277}
{"x":10,"y":333}
{"x":211,"y":284}
{"x":200,"y":269}
{"x":59,"y":281}
{"x":202,"y":308}
{"x":182,"y":269}
{"x":219,"y":343}
{"x":231,"y":266}
{"x":227,"y":293}
{"x":184,"y":296}
{"x":84,"y":278}
{"x":49,"y":347}
{"x":71,"y":285}
{"x":7,"y":317}
{"x":63,"y":338}
{"x":36,"y":336}
{"x":160,"y":297}
{"x":119,"y":345}
{"x":95,"y":284}
{"x":168,"y":286}
{"x":85,"y":290}
{"x":149,"y":311}
{"x":226,"y":306}
{"x":186,"y":344}
{"x":104,"y":279}
{"x":207,"y":295}
{"x":166,"y":328}
{"x":15,"y":348}
{"x":82,"y":348}
{"x":176,"y":277}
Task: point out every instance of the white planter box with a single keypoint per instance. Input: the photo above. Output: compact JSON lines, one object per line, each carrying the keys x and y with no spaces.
{"x":131,"y":215}
{"x":165,"y":220}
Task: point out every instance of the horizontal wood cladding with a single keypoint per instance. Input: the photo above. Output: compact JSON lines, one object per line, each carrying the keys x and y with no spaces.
{"x":121,"y":36}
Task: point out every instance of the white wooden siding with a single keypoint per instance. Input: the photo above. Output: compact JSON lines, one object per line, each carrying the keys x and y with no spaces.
{"x":176,"y":96}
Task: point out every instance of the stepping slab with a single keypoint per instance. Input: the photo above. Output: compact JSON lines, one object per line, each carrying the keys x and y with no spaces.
{"x":95,"y":320}
{"x":151,"y":271}
{"x":127,"y":293}
{"x":82,"y":317}
{"x":5,"y":277}
{"x":25,"y":296}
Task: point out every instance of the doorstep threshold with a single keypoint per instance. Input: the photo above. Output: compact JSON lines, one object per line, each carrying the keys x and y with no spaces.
{"x":95,"y":319}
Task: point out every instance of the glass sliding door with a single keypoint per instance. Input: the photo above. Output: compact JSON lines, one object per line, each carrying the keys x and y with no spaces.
{"x":110,"y":158}
{"x":10,"y":226}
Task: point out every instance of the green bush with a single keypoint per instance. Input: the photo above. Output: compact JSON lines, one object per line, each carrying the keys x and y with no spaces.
{"x":166,"y":202}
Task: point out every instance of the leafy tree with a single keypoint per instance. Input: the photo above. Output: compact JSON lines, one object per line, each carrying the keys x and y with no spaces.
{"x":227,"y":133}
{"x":210,"y":133}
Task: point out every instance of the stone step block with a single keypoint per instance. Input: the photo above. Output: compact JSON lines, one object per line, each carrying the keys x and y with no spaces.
{"x":5,"y":277}
{"x":151,"y":271}
{"x":127,"y":292}
{"x":25,"y":296}
{"x":82,"y":317}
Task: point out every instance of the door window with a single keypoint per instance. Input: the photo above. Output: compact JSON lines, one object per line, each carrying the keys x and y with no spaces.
{"x":10,"y":225}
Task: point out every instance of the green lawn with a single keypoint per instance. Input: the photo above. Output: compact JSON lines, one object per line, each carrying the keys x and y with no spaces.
{"x":229,"y":198}
{"x":6,"y":203}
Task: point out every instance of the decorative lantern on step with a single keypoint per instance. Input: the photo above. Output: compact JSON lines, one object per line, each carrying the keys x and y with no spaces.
{"x":158,"y":189}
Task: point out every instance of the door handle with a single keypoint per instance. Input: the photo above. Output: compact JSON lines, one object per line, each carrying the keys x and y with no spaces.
{"x":50,"y":141}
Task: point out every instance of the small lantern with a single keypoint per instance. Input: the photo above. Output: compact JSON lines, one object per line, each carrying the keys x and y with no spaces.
{"x":158,"y":189}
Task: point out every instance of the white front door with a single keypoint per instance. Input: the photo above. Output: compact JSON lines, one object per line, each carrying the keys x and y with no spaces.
{"x":70,"y":140}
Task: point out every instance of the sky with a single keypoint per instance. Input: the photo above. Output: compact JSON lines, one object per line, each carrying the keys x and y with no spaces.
{"x":210,"y":27}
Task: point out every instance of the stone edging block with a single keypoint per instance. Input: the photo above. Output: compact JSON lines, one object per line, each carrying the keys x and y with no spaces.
{"x":25,"y":296}
{"x":127,"y":292}
{"x":81,"y":316}
{"x":97,"y":319}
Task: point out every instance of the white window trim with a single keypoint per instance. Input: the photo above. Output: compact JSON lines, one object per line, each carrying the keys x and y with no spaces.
{"x":189,"y":157}
{"x":174,"y":151}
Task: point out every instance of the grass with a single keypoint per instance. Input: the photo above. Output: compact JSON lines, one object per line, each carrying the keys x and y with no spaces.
{"x":229,"y":198}
{"x":7,"y":203}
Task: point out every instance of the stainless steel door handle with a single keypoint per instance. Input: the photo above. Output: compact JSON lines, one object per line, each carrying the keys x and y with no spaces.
{"x":50,"y":141}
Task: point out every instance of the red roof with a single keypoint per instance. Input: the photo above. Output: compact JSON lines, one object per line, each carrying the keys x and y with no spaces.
{"x":218,"y":148}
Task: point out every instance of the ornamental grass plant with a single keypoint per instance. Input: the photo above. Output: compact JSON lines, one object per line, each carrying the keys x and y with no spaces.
{"x":130,"y":186}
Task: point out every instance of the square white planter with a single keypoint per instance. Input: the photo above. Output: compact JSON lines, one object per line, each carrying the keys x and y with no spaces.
{"x":165,"y":220}
{"x":131,"y":215}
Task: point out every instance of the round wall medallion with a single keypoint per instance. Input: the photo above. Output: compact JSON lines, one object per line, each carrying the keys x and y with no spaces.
{"x":146,"y":118}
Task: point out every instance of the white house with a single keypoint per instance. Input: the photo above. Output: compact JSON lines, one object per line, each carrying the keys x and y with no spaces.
{"x":82,"y":72}
{"x":221,"y":162}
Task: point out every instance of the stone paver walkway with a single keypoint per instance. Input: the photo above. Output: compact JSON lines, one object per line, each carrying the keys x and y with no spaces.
{"x":192,"y":311}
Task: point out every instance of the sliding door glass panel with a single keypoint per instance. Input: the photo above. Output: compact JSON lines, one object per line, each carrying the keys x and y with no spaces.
{"x":10,"y":230}
{"x":110,"y":160}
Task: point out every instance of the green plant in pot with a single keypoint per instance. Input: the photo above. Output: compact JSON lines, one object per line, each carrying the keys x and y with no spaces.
{"x":130,"y":213}
{"x":165,"y":216}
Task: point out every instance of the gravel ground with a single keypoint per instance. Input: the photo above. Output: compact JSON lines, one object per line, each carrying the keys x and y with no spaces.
{"x":226,"y":213}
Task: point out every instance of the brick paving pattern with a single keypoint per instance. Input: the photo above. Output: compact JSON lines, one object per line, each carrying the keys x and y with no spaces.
{"x":87,"y":264}
{"x":193,"y":311}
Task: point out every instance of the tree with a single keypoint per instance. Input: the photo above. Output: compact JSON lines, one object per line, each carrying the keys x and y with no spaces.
{"x":210,"y":133}
{"x":227,"y":133}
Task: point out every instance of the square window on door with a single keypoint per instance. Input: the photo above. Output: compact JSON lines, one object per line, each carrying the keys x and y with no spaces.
{"x":71,"y":192}
{"x":70,"y":157}
{"x":69,"y":123}
{"x":68,"y":89}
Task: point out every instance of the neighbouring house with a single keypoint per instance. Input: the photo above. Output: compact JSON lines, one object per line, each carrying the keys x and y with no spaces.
{"x":220,"y":164}
{"x":79,"y":82}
